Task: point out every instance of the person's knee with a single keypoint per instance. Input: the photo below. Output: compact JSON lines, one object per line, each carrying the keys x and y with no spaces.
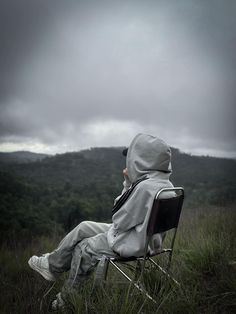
{"x":80,"y":227}
{"x":84,"y":224}
{"x":84,"y":227}
{"x":88,"y":229}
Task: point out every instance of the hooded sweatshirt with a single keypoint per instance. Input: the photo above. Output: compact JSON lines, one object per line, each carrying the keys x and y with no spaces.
{"x":148,"y":158}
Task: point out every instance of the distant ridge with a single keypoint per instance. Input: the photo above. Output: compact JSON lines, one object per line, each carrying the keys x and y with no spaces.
{"x":21,"y":157}
{"x":105,"y":164}
{"x":90,"y":153}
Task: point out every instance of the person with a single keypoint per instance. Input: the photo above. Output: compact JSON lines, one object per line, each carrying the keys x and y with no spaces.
{"x":148,"y":168}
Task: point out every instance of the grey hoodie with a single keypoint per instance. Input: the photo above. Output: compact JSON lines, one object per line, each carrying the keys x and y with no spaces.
{"x":148,"y":157}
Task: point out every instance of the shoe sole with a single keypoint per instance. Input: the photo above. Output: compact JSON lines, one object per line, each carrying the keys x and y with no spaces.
{"x":39,"y":270}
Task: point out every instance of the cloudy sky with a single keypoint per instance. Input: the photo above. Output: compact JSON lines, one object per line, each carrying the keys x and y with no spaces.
{"x":76,"y":74}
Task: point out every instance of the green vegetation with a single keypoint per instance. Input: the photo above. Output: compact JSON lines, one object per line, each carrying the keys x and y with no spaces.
{"x":203,"y":261}
{"x":59,"y":192}
{"x":43,"y":199}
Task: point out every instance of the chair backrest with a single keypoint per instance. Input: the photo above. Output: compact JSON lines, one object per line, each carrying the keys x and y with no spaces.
{"x":165,"y":212}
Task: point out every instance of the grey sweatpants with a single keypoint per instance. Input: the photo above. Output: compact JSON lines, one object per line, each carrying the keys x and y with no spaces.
{"x":80,"y":250}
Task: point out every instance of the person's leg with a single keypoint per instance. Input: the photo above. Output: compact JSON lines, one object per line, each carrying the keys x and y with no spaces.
{"x":86,"y":255}
{"x":51,"y":264}
{"x":60,"y":259}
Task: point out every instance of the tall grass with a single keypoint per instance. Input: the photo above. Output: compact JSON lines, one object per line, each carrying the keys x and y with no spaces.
{"x":204,"y":261}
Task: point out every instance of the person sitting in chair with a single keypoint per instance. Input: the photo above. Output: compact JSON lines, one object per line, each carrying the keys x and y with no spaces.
{"x":148,"y":168}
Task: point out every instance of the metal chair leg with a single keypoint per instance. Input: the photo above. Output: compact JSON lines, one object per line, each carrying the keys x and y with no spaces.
{"x":136,"y":285}
{"x":138,"y":270}
{"x":164,"y":272}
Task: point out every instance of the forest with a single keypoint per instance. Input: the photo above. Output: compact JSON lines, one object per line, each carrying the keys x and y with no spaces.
{"x":42,"y":193}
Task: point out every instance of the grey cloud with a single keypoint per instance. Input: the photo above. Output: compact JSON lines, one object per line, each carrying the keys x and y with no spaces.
{"x":169,"y":65}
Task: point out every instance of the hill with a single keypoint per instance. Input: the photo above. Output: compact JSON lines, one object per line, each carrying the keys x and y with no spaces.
{"x":21,"y":157}
{"x":59,"y":191}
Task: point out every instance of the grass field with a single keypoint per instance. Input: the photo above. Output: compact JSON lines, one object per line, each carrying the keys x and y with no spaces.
{"x":204,"y":262}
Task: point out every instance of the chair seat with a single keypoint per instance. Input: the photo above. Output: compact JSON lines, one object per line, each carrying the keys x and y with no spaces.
{"x":134,"y":258}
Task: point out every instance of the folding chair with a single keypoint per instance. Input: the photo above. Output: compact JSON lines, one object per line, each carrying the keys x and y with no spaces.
{"x":164,"y":216}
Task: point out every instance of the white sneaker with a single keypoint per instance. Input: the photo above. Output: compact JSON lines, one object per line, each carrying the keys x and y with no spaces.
{"x":41,"y":265}
{"x":59,"y":303}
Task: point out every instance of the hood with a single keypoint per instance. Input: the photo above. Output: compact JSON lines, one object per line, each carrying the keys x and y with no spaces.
{"x":146,"y":155}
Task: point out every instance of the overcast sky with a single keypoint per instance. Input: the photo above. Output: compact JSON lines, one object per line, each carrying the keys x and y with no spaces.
{"x":78,"y":74}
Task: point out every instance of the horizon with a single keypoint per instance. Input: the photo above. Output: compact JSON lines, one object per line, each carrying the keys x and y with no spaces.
{"x":115,"y":147}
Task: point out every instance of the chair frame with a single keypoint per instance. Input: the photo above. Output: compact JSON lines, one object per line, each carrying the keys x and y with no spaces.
{"x":160,"y":204}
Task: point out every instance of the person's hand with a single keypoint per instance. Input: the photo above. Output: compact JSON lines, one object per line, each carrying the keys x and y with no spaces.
{"x":125,"y":173}
{"x":127,"y":182}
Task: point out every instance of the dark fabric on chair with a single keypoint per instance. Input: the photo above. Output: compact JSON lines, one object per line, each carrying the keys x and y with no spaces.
{"x":164,"y":215}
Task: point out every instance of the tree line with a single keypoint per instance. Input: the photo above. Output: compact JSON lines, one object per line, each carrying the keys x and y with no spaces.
{"x":62,"y":190}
